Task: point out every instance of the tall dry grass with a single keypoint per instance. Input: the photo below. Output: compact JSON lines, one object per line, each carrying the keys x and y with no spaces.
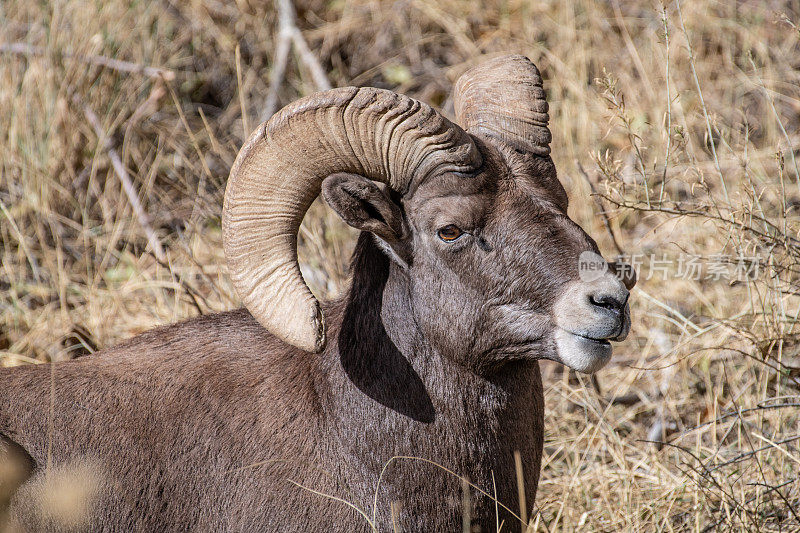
{"x":683,"y":119}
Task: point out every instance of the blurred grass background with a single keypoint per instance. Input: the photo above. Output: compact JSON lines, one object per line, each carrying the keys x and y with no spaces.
{"x":675,"y":129}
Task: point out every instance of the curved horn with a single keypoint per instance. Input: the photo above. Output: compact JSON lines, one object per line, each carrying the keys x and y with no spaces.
{"x":503,"y":98}
{"x":278,"y":173}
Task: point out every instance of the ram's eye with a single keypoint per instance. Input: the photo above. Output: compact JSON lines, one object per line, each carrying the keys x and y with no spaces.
{"x":449,"y":233}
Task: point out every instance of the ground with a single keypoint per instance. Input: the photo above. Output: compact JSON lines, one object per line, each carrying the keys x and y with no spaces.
{"x":675,"y":132}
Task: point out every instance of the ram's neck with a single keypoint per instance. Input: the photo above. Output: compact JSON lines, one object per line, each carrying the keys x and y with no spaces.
{"x":391,"y":392}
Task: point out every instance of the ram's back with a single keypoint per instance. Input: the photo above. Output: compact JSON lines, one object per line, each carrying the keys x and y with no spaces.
{"x":213,"y":409}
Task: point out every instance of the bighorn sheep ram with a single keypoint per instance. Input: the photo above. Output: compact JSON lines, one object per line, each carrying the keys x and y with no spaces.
{"x":286,"y":415}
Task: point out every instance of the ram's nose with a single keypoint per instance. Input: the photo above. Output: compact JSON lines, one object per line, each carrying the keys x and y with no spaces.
{"x":610,"y":299}
{"x":596,"y":308}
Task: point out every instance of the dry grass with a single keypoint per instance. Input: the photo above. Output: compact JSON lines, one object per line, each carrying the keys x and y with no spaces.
{"x":690,"y":151}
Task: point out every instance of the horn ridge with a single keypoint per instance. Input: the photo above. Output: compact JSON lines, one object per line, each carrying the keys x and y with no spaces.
{"x":503,"y":98}
{"x":279,"y":171}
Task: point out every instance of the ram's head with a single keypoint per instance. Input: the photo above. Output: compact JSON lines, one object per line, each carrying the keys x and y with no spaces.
{"x":474,"y":219}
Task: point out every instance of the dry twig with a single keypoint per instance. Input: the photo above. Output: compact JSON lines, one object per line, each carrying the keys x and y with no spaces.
{"x":606,"y":220}
{"x":102,"y":61}
{"x":124,"y":178}
{"x":288,"y":34}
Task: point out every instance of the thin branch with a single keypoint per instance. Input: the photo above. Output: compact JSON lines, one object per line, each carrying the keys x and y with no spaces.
{"x":708,"y":475}
{"x":606,"y":220}
{"x":746,"y":455}
{"x":124,"y":178}
{"x":282,"y":50}
{"x":245,"y":122}
{"x":191,"y":292}
{"x":768,"y":96}
{"x":102,"y":61}
{"x":738,"y":412}
{"x":770,"y":488}
{"x":288,"y":34}
{"x":310,"y":61}
{"x":789,"y":244}
{"x":703,"y":104}
{"x":669,"y":104}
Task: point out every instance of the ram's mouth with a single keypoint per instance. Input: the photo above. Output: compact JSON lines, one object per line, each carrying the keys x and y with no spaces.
{"x":601,"y":341}
{"x":582,"y":353}
{"x":604,"y":341}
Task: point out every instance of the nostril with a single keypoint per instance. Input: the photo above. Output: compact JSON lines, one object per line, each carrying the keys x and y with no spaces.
{"x":607,"y":301}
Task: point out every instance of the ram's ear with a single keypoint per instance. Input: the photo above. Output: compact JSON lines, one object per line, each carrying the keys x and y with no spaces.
{"x":362,"y":204}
